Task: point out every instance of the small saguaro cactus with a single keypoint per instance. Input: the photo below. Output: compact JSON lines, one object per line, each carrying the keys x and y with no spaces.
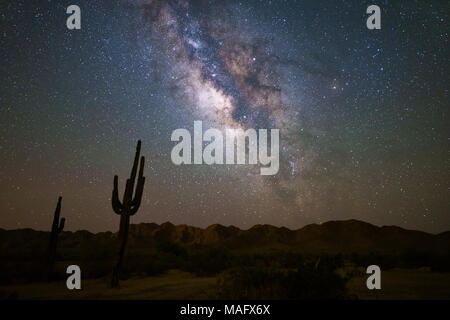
{"x":57,"y":228}
{"x":128,"y":207}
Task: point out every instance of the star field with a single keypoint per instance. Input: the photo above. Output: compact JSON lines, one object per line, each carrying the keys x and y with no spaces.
{"x":363,"y":114}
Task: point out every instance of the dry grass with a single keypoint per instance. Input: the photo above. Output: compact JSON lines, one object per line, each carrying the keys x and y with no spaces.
{"x":404,"y":284}
{"x":396,"y":284}
{"x":172,"y":285}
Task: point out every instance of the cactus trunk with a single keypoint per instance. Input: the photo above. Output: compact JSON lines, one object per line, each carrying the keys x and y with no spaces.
{"x":57,"y":228}
{"x":128,"y":207}
{"x":123,"y":238}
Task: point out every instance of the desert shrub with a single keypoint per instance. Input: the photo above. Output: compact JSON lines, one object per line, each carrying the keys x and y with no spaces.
{"x":291,"y":260}
{"x":149,"y":264}
{"x":440,"y":264}
{"x":93,"y":269}
{"x":307,"y":282}
{"x":21,"y":272}
{"x":251,"y":260}
{"x":327,"y":262}
{"x":169,"y":247}
{"x":155,"y":267}
{"x":384,"y":261}
{"x":207,"y":261}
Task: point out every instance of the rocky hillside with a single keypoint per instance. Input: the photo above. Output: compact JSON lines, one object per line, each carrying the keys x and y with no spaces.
{"x":350,"y":236}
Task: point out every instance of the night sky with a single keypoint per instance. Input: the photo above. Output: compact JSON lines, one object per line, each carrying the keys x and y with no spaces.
{"x":363,"y":114}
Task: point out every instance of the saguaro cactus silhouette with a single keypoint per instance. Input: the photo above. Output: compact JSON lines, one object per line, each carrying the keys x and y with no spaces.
{"x":57,"y":228}
{"x":128,"y":207}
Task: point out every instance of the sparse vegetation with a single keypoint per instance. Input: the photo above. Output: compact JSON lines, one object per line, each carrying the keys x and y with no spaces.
{"x":241,"y":268}
{"x":305,"y":282}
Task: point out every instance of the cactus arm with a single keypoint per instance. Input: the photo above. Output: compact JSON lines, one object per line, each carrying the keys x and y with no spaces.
{"x":57,"y":228}
{"x":61,"y":225}
{"x":136,"y":202}
{"x":117,"y":206}
{"x":141,"y":168}
{"x":138,"y":197}
{"x":139,"y":191}
{"x":135,"y":162}
{"x":56,"y":215}
{"x":58,"y":206}
{"x":127,"y":195}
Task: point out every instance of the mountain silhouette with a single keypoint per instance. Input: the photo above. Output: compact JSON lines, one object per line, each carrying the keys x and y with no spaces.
{"x":349,"y":236}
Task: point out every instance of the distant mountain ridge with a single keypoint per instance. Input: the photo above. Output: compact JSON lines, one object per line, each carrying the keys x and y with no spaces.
{"x":349,"y":236}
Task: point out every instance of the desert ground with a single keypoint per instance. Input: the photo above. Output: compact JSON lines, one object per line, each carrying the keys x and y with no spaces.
{"x":397,"y":284}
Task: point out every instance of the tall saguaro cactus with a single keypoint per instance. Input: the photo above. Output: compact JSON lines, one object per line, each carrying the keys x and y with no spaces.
{"x":128,"y":207}
{"x":57,"y":228}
